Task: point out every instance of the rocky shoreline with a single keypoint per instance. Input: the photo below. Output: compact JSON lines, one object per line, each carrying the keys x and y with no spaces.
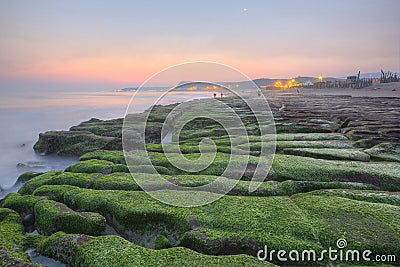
{"x":336,"y":174}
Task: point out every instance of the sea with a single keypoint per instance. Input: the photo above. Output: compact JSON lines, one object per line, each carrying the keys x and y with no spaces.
{"x":24,"y":115}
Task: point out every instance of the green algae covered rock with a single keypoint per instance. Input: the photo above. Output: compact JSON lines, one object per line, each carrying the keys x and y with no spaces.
{"x":240,"y":217}
{"x":74,"y":142}
{"x":115,"y":156}
{"x":385,"y":151}
{"x":385,"y":174}
{"x":11,"y":235}
{"x":162,"y":242}
{"x":137,"y":211}
{"x":329,"y":153}
{"x":53,"y":216}
{"x":96,"y":166}
{"x":111,"y":128}
{"x":31,"y":241}
{"x":82,"y":250}
{"x":245,"y":224}
{"x":26,"y":176}
{"x":126,"y":181}
{"x":392,"y":198}
{"x":22,"y":204}
{"x":365,"y":225}
{"x":55,"y":177}
{"x":256,"y":146}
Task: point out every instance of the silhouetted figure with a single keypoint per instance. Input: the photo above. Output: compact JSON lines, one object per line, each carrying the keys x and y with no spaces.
{"x":215,"y":95}
{"x":222,"y":94}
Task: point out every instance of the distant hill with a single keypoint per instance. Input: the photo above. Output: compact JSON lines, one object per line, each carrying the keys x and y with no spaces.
{"x":263,"y":81}
{"x":128,"y":89}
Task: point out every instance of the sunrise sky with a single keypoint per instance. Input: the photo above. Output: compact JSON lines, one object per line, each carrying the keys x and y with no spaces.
{"x":125,"y":42}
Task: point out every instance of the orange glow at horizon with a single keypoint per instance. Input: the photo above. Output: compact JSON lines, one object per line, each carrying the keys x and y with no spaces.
{"x":137,"y":69}
{"x":132,"y":68}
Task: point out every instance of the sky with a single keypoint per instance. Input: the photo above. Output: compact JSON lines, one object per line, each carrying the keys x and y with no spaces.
{"x":100,"y":44}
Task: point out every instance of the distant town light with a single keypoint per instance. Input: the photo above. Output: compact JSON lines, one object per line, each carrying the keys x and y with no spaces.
{"x":320,"y":78}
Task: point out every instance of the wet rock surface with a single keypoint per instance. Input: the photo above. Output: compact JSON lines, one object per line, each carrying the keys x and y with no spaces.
{"x":370,"y":120}
{"x":357,"y":117}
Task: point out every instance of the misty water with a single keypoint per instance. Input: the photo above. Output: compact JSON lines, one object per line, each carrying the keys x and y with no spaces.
{"x":24,"y":116}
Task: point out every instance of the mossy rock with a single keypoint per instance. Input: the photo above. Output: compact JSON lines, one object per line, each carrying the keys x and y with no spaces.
{"x":162,"y":242}
{"x":74,"y":142}
{"x":383,"y":175}
{"x":385,"y":151}
{"x":285,"y":167}
{"x":392,"y":198}
{"x":295,"y":128}
{"x":91,"y":166}
{"x":287,"y":221}
{"x":115,"y":181}
{"x":57,"y":177}
{"x":31,"y":241}
{"x":81,"y":250}
{"x":26,"y":176}
{"x":186,"y":148}
{"x":22,"y":204}
{"x":280,"y":145}
{"x":11,"y":234}
{"x":53,"y":216}
{"x":49,"y":192}
{"x":100,"y":129}
{"x":225,"y":141}
{"x":237,"y":217}
{"x":217,"y":166}
{"x":363,"y":142}
{"x":125,"y":181}
{"x":329,"y":153}
{"x":310,"y":136}
{"x":150,"y":169}
{"x":289,"y":187}
{"x":193,"y":134}
{"x":116,"y":156}
{"x":365,"y":225}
